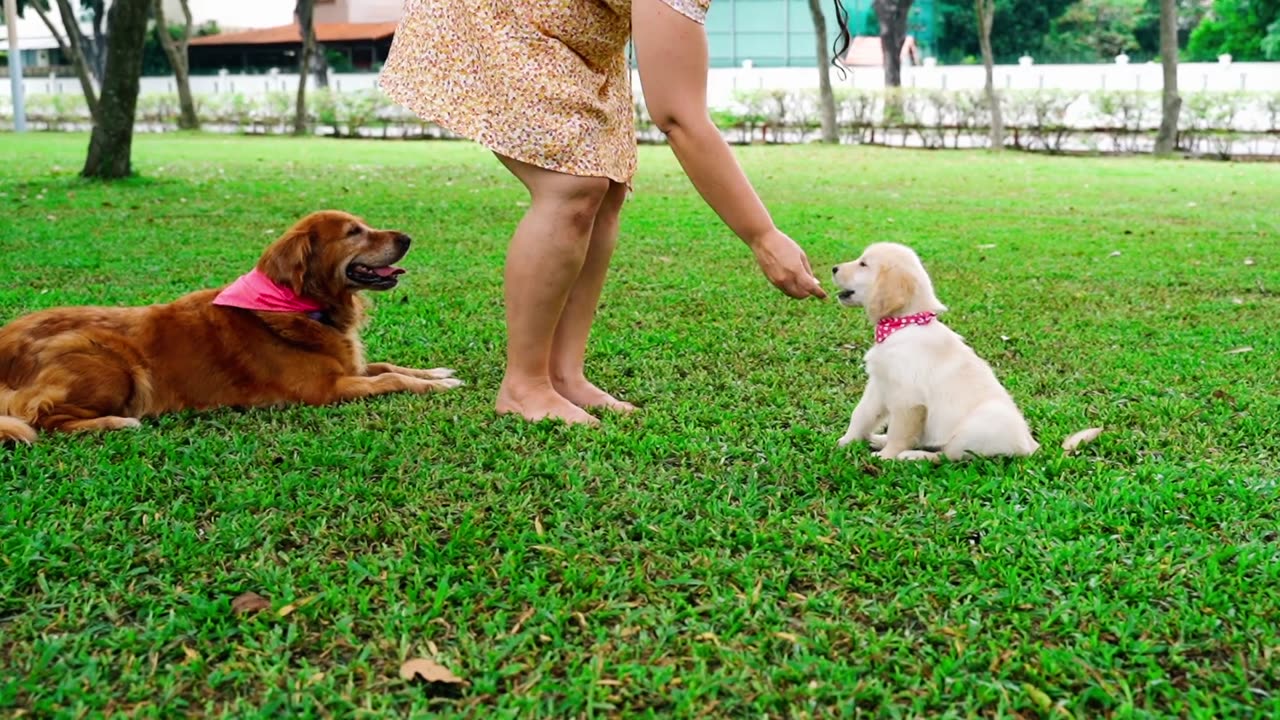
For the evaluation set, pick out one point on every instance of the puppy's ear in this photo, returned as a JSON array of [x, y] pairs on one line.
[[285, 261], [892, 291]]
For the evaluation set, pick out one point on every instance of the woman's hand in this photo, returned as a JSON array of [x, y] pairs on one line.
[[786, 266]]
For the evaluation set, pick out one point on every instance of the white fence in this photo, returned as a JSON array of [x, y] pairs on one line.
[[722, 83]]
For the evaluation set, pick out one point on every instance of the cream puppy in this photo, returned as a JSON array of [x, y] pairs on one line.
[[935, 393]]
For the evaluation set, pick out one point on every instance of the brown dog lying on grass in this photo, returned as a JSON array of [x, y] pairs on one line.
[[286, 333]]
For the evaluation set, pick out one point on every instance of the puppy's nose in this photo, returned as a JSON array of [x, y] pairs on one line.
[[402, 241]]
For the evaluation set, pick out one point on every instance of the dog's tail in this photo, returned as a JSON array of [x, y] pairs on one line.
[[13, 429]]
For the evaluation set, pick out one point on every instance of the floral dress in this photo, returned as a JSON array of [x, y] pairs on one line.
[[545, 82]]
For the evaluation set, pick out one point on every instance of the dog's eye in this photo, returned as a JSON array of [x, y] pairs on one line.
[[862, 263], [353, 231]]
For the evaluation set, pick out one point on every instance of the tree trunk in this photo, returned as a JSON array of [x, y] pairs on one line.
[[986, 11], [319, 64], [1167, 139], [70, 46], [826, 97], [177, 54], [892, 15], [111, 145], [306, 23], [97, 50]]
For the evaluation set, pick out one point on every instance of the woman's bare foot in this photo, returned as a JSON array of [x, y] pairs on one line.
[[541, 402], [584, 394]]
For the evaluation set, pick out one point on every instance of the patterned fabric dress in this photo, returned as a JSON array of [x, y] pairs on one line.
[[542, 81]]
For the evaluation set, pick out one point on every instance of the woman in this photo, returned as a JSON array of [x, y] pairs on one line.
[[544, 84]]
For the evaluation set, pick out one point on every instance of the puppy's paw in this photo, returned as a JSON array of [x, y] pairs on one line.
[[918, 455], [891, 454], [448, 383], [432, 374], [845, 440], [877, 440]]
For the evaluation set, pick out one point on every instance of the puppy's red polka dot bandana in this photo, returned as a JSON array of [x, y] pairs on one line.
[[890, 325]]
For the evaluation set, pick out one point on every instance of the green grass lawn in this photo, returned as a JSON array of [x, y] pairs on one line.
[[715, 554]]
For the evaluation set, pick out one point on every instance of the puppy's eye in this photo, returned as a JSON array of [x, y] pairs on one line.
[[353, 231]]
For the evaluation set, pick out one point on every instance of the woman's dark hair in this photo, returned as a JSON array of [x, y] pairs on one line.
[[841, 44]]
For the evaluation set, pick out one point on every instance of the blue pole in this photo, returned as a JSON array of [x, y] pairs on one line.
[[15, 66]]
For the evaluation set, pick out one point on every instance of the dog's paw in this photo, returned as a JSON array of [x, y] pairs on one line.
[[845, 440], [437, 373], [898, 454], [918, 455], [448, 383], [877, 440]]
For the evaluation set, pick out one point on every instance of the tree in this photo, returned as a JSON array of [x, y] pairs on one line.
[[826, 97], [1094, 30], [892, 15], [176, 50], [986, 12], [304, 13], [1020, 27], [1239, 28], [74, 45], [111, 144], [1171, 104]]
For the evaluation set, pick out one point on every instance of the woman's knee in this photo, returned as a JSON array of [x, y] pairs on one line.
[[574, 200]]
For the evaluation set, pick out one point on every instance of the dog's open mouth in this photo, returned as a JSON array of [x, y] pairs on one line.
[[377, 277], [844, 295]]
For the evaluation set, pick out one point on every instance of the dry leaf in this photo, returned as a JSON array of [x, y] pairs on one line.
[[1080, 438], [610, 683], [987, 246], [789, 637], [520, 621], [190, 653], [250, 602], [289, 609], [537, 526], [1249, 261], [1239, 351], [1115, 254], [547, 549], [428, 671], [435, 651]]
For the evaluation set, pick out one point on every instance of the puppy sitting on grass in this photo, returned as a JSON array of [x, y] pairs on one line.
[[936, 394]]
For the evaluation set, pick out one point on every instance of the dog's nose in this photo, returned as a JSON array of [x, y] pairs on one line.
[[402, 241], [835, 269]]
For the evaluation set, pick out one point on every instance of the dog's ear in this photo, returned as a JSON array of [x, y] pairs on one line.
[[286, 260], [892, 291]]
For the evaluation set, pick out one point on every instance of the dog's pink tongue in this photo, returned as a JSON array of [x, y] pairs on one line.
[[388, 271]]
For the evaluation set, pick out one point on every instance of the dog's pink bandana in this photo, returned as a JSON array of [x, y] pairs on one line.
[[890, 325], [255, 291]]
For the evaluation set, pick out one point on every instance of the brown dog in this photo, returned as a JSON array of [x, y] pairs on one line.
[[103, 368]]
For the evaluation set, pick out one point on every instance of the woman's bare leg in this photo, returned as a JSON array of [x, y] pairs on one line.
[[569, 349], [544, 261]]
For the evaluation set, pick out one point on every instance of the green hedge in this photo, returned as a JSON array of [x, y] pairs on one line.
[[1112, 121]]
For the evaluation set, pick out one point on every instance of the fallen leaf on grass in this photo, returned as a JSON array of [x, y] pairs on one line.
[[1249, 261], [1080, 438], [429, 671], [292, 607], [1115, 254], [250, 602], [789, 637], [986, 246], [1239, 351], [1038, 696]]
